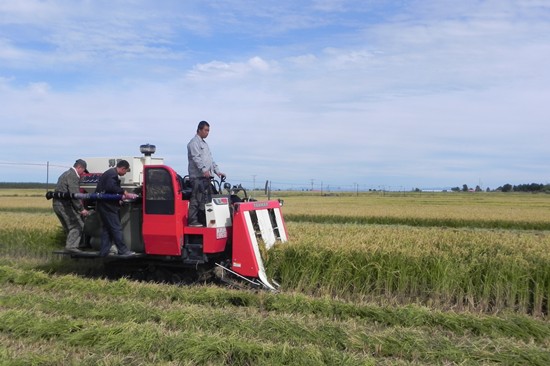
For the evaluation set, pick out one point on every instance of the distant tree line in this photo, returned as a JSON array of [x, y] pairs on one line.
[[532, 187]]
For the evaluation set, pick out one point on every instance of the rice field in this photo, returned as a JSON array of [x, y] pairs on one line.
[[385, 279], [471, 210]]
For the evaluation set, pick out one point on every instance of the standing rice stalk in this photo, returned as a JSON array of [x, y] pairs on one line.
[[466, 269]]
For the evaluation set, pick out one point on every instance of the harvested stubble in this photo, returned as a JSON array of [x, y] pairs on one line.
[[156, 324]]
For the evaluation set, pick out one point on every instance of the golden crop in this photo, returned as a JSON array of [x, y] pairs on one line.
[[488, 268], [459, 206]]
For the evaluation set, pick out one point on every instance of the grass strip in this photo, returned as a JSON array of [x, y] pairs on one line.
[[151, 340], [30, 241], [16, 351], [33, 210], [418, 221], [510, 325], [230, 344], [248, 323]]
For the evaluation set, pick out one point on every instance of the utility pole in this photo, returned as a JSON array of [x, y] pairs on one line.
[[312, 185], [253, 182]]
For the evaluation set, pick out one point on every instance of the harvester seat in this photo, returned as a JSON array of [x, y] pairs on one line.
[[186, 187]]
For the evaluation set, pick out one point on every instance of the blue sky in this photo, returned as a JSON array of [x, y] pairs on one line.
[[394, 94]]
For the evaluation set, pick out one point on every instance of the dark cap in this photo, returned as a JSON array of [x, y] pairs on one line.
[[82, 163]]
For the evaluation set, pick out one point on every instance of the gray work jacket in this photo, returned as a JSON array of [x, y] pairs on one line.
[[200, 158]]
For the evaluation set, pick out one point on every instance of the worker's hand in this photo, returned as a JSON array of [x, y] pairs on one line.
[[207, 174], [221, 175], [130, 196], [84, 213]]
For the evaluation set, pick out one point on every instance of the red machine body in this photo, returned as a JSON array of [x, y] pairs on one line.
[[235, 235]]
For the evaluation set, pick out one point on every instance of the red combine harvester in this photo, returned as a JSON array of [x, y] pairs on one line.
[[232, 245]]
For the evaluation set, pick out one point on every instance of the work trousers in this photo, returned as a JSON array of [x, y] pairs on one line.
[[71, 221], [112, 230], [200, 195]]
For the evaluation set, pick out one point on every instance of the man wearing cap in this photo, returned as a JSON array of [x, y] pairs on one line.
[[69, 212], [109, 211]]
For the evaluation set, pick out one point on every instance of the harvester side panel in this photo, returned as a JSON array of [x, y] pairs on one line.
[[214, 239], [245, 245], [164, 211], [249, 216]]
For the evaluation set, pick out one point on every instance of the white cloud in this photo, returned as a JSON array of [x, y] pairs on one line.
[[419, 96], [28, 11], [9, 52], [39, 88], [233, 70]]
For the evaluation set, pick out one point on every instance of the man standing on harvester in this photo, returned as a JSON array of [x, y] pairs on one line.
[[201, 169]]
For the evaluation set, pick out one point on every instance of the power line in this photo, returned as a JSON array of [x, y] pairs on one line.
[[33, 164]]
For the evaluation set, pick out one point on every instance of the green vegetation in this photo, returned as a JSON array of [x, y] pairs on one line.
[[366, 280], [421, 221], [149, 323]]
